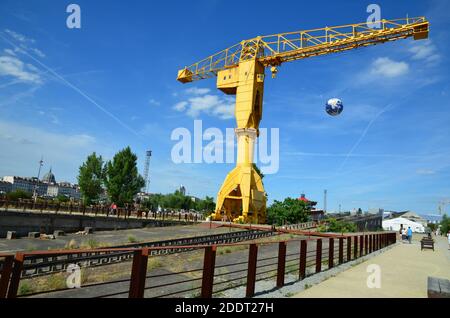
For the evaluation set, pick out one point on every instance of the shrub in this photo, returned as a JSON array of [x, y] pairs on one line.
[[336, 226], [132, 239], [18, 194], [25, 288]]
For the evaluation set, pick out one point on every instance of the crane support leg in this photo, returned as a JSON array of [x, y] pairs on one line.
[[242, 197]]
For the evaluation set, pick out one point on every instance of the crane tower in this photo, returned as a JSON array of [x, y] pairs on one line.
[[240, 71], [148, 154]]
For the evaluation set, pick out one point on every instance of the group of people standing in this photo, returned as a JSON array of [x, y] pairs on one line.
[[406, 233]]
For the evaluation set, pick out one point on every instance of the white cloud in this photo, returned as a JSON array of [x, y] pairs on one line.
[[12, 66], [25, 145], [38, 52], [197, 91], [154, 102], [9, 51], [425, 171], [19, 37], [181, 106], [386, 67], [212, 105], [425, 51], [25, 44]]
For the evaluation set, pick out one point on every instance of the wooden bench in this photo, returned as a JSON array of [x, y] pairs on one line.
[[438, 288], [426, 243]]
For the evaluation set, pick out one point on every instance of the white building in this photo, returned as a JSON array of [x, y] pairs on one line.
[[5, 187], [47, 187], [397, 223], [26, 184]]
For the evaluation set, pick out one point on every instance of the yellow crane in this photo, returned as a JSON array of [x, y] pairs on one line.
[[240, 71]]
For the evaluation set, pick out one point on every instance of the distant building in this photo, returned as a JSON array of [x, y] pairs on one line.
[[410, 215], [182, 190], [376, 211], [26, 184], [47, 187], [315, 215], [64, 188], [5, 187], [49, 177]]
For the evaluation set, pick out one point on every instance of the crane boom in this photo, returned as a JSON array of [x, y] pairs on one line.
[[273, 50]]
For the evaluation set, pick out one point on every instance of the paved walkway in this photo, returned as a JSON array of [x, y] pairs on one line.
[[404, 272]]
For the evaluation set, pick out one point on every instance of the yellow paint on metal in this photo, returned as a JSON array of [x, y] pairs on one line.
[[240, 71]]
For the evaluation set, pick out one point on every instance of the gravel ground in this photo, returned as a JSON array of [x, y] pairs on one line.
[[111, 238]]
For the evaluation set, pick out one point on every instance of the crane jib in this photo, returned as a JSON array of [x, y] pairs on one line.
[[275, 49]]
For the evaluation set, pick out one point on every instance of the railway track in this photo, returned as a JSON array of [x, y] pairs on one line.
[[38, 265]]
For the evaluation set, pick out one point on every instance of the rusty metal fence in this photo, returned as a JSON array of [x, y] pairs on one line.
[[38, 265], [95, 210], [218, 272]]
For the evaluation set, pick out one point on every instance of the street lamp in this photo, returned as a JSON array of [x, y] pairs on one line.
[[41, 162]]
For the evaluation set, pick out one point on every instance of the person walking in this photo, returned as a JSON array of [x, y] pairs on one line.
[[448, 238], [409, 233]]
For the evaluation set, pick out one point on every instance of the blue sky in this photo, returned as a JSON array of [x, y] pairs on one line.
[[60, 96]]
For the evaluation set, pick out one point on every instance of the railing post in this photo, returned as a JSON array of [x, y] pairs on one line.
[[302, 264], [209, 263], [370, 243], [318, 255], [355, 247], [366, 245], [16, 273], [281, 264], [251, 270], [341, 250], [138, 273], [361, 247], [330, 252], [349, 249], [6, 274]]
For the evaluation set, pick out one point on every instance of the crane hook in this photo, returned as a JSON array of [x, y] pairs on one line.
[[274, 71]]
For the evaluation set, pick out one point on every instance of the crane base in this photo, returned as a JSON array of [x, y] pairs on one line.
[[242, 198]]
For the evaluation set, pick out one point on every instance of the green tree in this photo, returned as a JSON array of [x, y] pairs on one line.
[[153, 201], [122, 180], [91, 177], [18, 194], [62, 198], [290, 210], [445, 224]]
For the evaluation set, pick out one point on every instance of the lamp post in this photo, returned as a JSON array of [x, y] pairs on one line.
[[41, 162]]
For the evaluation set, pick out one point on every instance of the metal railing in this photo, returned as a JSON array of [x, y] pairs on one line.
[[94, 210], [39, 265], [300, 257]]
